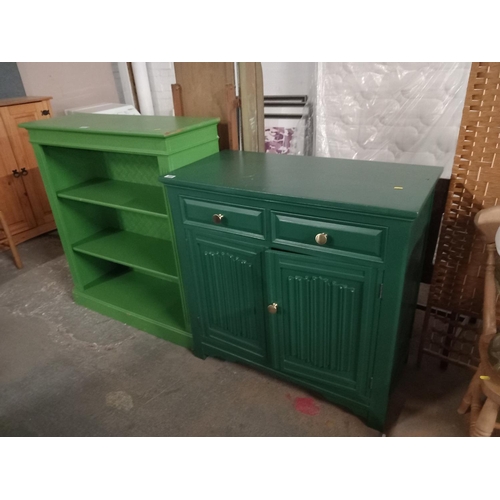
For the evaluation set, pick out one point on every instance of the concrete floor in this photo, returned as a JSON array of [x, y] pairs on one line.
[[67, 371]]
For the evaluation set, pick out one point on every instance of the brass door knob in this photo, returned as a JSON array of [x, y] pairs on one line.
[[272, 308], [217, 218], [321, 238]]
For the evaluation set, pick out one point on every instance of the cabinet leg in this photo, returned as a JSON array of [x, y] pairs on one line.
[[377, 423], [487, 419], [198, 352], [10, 241]]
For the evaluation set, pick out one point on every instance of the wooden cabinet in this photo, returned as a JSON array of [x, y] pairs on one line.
[[23, 199], [307, 268], [101, 173]]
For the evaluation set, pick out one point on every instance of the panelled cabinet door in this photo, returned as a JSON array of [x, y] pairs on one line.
[[25, 156], [14, 201], [230, 300], [325, 325]]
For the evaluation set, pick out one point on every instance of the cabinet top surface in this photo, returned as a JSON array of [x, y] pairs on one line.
[[22, 100], [364, 186], [145, 126]]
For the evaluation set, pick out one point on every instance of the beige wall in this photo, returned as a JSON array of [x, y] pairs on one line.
[[70, 84]]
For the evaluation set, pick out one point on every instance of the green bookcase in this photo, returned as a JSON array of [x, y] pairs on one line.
[[101, 175]]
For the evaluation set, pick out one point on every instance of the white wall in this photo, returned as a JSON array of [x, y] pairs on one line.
[[70, 84], [287, 78], [161, 77], [119, 84]]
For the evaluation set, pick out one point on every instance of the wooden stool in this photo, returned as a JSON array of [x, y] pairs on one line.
[[9, 241], [486, 380], [487, 419], [483, 417]]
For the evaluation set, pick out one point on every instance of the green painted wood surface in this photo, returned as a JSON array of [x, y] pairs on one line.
[[152, 255], [101, 176], [155, 299], [237, 219], [127, 125], [231, 297], [345, 309], [324, 325], [147, 135], [118, 194], [342, 237], [347, 184], [145, 302]]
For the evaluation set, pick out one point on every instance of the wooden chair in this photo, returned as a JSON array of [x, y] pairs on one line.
[[7, 240], [486, 381]]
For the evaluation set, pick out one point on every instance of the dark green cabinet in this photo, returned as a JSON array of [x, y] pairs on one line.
[[306, 268]]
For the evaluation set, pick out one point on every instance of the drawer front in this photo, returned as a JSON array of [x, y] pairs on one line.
[[248, 221], [328, 235]]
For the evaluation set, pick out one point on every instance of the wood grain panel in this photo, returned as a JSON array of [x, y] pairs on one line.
[[456, 291], [204, 92], [14, 201], [25, 157]]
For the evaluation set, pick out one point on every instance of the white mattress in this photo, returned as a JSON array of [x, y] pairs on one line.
[[398, 112]]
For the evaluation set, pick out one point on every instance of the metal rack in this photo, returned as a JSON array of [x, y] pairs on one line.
[[298, 102]]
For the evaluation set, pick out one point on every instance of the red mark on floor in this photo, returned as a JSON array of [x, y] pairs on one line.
[[306, 405]]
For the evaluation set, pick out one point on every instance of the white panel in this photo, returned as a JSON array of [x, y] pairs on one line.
[[289, 78]]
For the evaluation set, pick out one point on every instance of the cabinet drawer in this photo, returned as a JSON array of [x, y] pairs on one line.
[[225, 217], [328, 235]]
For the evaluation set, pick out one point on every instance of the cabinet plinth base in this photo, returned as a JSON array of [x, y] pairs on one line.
[[370, 418], [34, 232]]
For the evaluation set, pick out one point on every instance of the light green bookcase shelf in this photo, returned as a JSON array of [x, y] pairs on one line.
[[101, 175]]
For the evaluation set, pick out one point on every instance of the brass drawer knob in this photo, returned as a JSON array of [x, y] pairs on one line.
[[217, 218], [272, 308], [321, 238]]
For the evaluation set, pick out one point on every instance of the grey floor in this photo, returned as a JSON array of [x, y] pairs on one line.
[[67, 371]]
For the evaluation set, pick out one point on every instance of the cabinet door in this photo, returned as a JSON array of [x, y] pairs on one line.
[[325, 327], [229, 283], [12, 116], [14, 201]]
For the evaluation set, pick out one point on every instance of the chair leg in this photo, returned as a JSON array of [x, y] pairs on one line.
[[486, 420], [469, 395], [10, 241], [476, 405], [472, 400]]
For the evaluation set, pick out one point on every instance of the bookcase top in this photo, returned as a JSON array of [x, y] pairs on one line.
[[130, 125]]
